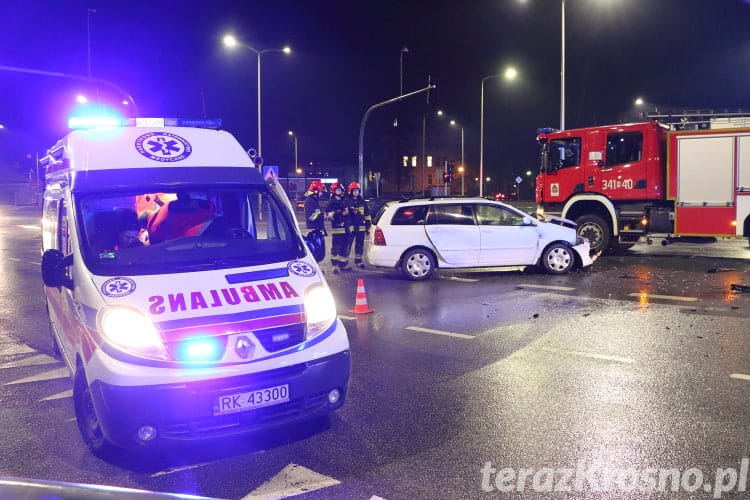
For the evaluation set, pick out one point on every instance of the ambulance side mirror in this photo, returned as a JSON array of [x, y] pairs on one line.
[[315, 241], [54, 266]]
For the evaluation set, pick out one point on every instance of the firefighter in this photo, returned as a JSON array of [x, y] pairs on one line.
[[315, 221], [338, 214], [314, 216], [360, 221]]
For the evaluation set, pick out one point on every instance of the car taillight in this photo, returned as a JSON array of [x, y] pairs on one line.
[[379, 237]]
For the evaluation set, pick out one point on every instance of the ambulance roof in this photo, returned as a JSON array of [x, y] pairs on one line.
[[157, 153], [167, 147]]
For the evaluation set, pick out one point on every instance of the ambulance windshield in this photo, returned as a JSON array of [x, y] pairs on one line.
[[163, 231]]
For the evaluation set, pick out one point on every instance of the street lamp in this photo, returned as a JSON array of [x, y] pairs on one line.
[[461, 168], [231, 42], [401, 70], [510, 73]]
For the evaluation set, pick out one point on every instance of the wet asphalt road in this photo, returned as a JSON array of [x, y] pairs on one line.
[[641, 362]]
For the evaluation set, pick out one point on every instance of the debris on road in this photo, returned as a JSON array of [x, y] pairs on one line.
[[721, 269], [740, 288]]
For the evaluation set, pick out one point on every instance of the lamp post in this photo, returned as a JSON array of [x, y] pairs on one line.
[[562, 65], [510, 73], [401, 70], [294, 136], [462, 167], [231, 42]]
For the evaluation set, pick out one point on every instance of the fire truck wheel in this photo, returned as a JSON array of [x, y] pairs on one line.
[[596, 230], [558, 258], [88, 422]]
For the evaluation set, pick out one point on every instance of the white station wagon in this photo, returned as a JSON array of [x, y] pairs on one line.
[[418, 236]]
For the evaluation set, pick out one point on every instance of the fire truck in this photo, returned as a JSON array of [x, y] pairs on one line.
[[623, 182]]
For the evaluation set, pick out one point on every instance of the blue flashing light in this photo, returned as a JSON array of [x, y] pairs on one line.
[[214, 123], [200, 350], [546, 130], [86, 122], [89, 122]]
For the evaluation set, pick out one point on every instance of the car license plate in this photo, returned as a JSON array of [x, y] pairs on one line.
[[245, 401]]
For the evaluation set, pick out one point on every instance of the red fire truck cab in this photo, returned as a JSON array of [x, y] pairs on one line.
[[621, 182]]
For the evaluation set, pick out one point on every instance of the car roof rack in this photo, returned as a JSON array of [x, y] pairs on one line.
[[433, 198]]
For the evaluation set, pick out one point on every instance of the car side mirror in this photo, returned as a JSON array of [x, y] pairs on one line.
[[316, 242], [528, 221], [54, 269]]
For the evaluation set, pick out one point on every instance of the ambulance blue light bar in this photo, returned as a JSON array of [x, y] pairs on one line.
[[86, 122], [89, 122]]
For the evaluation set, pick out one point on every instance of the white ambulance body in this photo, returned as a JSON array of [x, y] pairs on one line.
[[224, 329]]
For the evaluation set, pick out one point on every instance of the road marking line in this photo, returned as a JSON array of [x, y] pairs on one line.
[[740, 376], [549, 287], [588, 355], [59, 395], [179, 469], [50, 375], [23, 261], [13, 348], [347, 317], [456, 278], [40, 359], [665, 297], [292, 480], [439, 332]]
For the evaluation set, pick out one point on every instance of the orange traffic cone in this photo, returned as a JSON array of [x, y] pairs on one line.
[[360, 305]]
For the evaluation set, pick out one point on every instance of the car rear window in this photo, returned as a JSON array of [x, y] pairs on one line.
[[409, 216]]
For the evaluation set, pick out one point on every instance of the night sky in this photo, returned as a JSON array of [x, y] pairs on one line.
[[676, 54]]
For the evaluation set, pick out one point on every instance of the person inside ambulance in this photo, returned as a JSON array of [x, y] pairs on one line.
[[188, 215], [128, 234], [113, 230]]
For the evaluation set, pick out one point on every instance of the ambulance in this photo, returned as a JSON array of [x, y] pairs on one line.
[[181, 293]]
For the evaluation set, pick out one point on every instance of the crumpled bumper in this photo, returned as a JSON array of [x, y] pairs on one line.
[[584, 252]]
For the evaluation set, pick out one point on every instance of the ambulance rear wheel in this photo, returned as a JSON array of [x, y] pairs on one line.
[[88, 422], [596, 230]]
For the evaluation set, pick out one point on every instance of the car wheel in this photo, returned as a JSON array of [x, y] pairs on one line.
[[87, 420], [558, 258], [418, 264], [596, 230]]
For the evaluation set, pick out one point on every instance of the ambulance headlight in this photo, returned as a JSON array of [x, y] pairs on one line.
[[130, 331], [320, 310]]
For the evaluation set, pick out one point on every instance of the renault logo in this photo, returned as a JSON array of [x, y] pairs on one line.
[[244, 347]]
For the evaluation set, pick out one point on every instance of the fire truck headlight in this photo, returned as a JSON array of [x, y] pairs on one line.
[[320, 310], [130, 331]]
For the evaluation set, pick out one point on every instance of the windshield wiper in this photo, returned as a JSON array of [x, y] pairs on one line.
[[195, 245]]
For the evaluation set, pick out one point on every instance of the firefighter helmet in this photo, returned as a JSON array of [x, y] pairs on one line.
[[353, 186], [335, 186], [316, 187]]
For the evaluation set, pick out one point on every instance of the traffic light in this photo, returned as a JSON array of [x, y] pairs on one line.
[[447, 178], [449, 169]]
